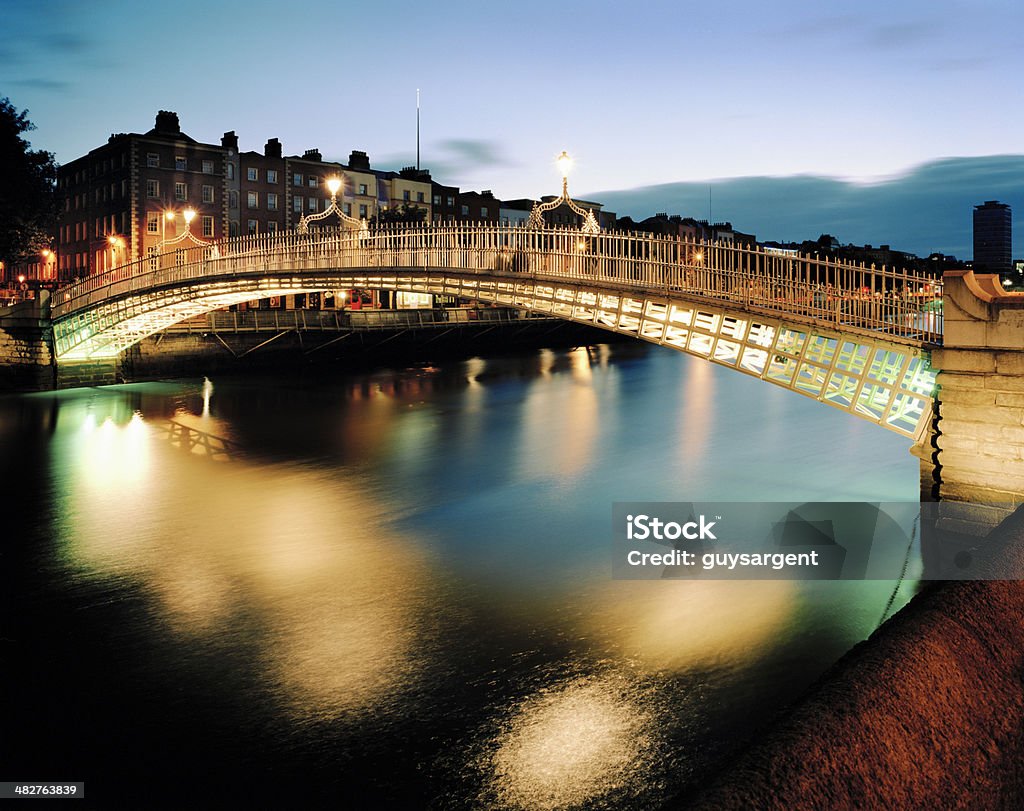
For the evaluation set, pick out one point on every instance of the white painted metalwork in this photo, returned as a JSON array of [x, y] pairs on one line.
[[850, 336]]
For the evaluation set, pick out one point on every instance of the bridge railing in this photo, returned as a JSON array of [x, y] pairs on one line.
[[824, 290]]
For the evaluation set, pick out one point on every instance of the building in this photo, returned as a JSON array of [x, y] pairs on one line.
[[481, 207], [120, 201], [515, 212], [993, 242], [445, 202]]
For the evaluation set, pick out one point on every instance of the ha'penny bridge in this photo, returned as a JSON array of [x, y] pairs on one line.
[[938, 361]]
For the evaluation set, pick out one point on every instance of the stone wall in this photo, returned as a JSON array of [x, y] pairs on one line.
[[26, 346], [981, 400]]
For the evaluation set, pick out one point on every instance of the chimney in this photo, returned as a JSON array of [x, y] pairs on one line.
[[359, 160], [272, 148], [312, 155], [167, 123], [229, 140]]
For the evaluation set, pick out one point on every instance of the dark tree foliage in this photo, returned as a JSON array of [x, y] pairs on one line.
[[28, 199], [403, 213]]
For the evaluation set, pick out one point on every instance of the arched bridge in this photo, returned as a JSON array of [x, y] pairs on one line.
[[854, 337]]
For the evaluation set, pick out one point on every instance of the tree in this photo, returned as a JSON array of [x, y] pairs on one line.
[[28, 198], [404, 213]]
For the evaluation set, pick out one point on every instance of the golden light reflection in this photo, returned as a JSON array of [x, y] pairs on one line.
[[563, 447], [676, 625], [569, 746]]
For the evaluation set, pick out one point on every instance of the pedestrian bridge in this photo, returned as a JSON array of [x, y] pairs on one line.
[[854, 337]]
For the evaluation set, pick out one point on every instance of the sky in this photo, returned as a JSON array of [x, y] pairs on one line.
[[641, 94]]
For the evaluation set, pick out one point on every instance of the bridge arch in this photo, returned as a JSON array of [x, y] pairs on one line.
[[801, 323]]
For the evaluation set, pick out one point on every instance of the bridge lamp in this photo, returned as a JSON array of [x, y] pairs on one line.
[[333, 184], [536, 220], [189, 214]]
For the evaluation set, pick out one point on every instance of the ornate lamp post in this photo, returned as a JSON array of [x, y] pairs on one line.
[[334, 184], [188, 214], [536, 220]]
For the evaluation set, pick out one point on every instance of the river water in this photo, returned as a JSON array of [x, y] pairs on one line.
[[392, 589]]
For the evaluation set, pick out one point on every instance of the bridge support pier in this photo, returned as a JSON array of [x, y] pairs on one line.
[[980, 404]]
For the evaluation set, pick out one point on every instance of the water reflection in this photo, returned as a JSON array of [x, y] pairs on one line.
[[583, 743]]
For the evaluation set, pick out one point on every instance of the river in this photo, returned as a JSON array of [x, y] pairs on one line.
[[392, 589]]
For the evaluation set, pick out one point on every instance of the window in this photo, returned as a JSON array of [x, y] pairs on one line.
[[180, 191], [271, 175], [207, 194], [153, 222], [297, 205], [272, 227], [362, 211], [313, 181], [254, 227], [124, 188], [252, 173], [483, 212], [253, 199], [312, 204], [152, 188], [419, 197], [465, 211], [153, 160], [437, 199], [232, 199], [451, 202], [231, 171], [233, 226], [271, 201], [347, 208], [362, 188], [405, 195], [207, 167], [180, 164], [207, 226], [297, 180]]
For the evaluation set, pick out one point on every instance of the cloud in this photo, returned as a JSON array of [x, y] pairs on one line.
[[929, 208], [452, 159], [58, 85]]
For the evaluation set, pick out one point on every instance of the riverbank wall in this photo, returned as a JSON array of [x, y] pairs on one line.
[[927, 713], [26, 346]]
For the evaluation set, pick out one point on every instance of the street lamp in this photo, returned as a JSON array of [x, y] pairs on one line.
[[188, 215], [536, 220], [115, 242], [334, 185]]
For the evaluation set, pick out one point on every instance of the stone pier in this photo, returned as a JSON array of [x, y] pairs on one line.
[[26, 346], [980, 405]]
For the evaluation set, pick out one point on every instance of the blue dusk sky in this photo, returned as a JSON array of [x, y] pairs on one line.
[[858, 97]]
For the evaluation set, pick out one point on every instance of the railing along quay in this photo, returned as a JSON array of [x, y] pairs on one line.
[[823, 290]]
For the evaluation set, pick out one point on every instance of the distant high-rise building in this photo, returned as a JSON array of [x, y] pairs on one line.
[[993, 246]]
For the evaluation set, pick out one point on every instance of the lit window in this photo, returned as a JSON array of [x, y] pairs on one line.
[[253, 199], [153, 160], [207, 167], [362, 188], [297, 180], [207, 226], [153, 222], [180, 164], [297, 205], [207, 194], [252, 173], [313, 181], [271, 201], [152, 188], [271, 175], [180, 191]]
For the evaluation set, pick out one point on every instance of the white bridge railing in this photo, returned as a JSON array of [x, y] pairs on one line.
[[900, 304]]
